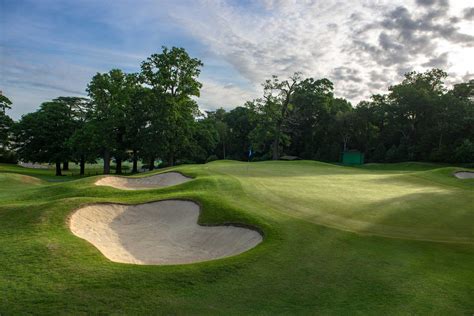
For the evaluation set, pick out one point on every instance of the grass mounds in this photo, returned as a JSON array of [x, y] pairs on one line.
[[338, 240]]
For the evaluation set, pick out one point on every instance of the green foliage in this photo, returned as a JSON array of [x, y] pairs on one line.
[[172, 76], [153, 116], [6, 124], [392, 154], [465, 151], [273, 111], [43, 136], [5, 103], [212, 158]]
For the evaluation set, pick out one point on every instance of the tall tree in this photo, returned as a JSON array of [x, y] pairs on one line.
[[6, 124], [172, 75], [310, 117], [78, 108], [111, 94], [139, 116], [274, 109], [241, 121], [43, 136]]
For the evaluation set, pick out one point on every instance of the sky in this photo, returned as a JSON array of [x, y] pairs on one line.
[[53, 48]]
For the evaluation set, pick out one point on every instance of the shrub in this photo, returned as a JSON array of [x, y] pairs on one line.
[[465, 151], [8, 156], [212, 158], [392, 154]]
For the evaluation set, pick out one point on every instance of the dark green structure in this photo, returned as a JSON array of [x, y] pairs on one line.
[[352, 157]]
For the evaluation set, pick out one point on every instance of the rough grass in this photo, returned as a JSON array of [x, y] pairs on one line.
[[304, 265]]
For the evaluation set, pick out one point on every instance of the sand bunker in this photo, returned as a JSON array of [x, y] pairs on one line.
[[164, 232], [155, 181], [464, 175]]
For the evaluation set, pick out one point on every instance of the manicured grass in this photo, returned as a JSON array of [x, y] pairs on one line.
[[338, 240]]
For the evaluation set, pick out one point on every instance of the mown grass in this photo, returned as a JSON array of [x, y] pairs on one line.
[[371, 264]]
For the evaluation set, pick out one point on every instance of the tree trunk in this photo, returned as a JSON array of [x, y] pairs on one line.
[[58, 168], [118, 166], [106, 162], [82, 165], [223, 149], [151, 166], [135, 162], [66, 165]]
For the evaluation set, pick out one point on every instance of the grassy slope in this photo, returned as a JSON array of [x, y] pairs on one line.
[[301, 267]]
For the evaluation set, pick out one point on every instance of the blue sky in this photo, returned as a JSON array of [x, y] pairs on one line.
[[52, 48]]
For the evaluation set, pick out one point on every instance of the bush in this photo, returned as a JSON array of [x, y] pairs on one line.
[[212, 158], [392, 154], [8, 156], [379, 153], [465, 152]]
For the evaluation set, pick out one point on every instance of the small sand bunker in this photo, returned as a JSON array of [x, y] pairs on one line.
[[164, 232], [155, 181], [464, 175]]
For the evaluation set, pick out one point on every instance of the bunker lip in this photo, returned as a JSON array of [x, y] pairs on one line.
[[159, 180], [164, 232], [464, 174]]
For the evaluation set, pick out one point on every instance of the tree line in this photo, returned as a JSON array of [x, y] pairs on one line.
[[152, 115]]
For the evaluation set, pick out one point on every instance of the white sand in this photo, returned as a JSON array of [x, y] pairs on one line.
[[154, 181], [164, 232], [464, 175]]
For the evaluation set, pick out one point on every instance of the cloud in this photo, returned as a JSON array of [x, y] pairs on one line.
[[440, 61], [363, 46], [216, 95], [469, 13], [346, 42]]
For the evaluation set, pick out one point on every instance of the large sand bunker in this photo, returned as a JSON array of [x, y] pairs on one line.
[[154, 181], [464, 175], [164, 232]]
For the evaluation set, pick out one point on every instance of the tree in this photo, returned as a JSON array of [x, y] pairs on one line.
[[345, 125], [310, 119], [111, 94], [42, 136], [139, 117], [465, 151], [241, 121], [83, 144], [78, 109], [205, 140], [413, 104], [6, 124], [273, 110], [5, 103], [172, 76]]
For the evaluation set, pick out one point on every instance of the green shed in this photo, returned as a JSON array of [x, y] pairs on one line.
[[352, 157]]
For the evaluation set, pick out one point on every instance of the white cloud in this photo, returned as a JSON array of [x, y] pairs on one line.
[[216, 94], [240, 43], [319, 37]]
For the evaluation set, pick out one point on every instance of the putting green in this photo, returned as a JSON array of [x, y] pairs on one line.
[[416, 205], [380, 239]]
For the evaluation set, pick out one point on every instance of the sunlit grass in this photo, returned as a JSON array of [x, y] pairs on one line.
[[318, 255]]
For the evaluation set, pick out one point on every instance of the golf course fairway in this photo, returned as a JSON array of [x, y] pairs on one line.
[[377, 239]]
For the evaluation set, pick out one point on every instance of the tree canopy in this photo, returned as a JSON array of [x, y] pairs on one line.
[[153, 116]]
